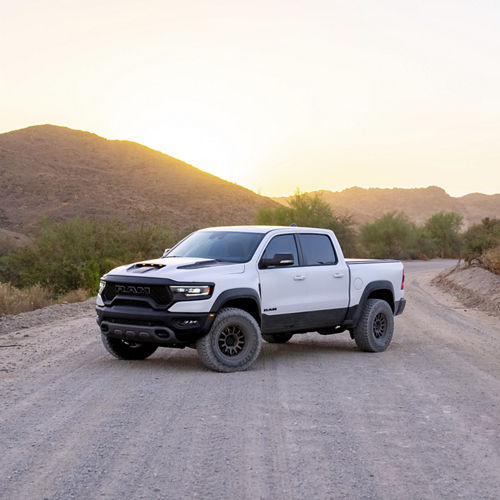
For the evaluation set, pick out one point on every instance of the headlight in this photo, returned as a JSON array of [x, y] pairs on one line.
[[191, 291], [102, 284]]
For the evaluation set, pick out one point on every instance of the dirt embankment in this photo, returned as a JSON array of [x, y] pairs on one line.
[[473, 286]]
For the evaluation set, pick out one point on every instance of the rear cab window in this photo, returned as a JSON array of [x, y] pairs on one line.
[[317, 250]]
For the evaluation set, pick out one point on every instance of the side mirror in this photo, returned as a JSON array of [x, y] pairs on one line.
[[279, 260], [165, 253]]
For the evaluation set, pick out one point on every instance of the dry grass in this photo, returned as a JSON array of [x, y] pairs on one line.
[[492, 260], [78, 295], [15, 301]]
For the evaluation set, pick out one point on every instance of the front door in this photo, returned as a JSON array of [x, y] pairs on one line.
[[283, 289]]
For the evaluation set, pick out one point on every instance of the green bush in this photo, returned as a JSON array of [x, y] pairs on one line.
[[442, 234], [390, 236], [311, 211], [480, 238], [74, 254]]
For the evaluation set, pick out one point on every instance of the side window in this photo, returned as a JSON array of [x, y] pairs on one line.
[[284, 243], [317, 250]]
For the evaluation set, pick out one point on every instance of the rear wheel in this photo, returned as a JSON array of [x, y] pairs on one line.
[[277, 338], [123, 349], [233, 343], [376, 326]]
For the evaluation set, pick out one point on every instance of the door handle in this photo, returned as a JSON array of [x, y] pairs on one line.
[[338, 275], [299, 278]]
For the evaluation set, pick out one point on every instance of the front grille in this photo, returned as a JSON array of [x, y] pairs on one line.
[[159, 293], [131, 302]]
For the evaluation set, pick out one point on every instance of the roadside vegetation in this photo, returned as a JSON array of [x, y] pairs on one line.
[[311, 211], [66, 260], [393, 235], [15, 301], [482, 245]]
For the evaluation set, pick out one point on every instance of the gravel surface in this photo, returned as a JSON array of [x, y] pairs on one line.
[[13, 322], [314, 418]]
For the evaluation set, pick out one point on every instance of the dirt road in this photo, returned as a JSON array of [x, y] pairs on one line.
[[315, 418]]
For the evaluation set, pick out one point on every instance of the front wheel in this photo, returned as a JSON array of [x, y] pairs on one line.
[[123, 349], [277, 338], [376, 326], [233, 343]]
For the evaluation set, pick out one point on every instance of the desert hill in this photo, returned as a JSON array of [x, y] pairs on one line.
[[56, 172], [366, 205]]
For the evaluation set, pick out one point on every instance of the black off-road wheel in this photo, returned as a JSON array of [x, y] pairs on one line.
[[376, 326], [233, 343], [123, 349], [277, 338]]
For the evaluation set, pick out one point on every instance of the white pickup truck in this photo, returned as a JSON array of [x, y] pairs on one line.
[[222, 290]]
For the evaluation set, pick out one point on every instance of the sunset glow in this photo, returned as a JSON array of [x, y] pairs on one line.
[[274, 94]]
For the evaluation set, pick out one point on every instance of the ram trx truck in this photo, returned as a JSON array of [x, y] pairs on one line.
[[222, 290]]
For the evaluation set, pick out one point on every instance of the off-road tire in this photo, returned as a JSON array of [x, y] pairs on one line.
[[232, 344], [123, 349], [376, 326], [277, 338]]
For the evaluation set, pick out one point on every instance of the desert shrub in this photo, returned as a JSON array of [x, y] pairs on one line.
[[425, 246], [311, 211], [74, 254], [492, 260], [441, 234], [6, 245], [480, 238], [391, 236], [279, 216], [15, 301], [78, 295]]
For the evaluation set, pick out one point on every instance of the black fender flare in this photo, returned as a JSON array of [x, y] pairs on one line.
[[233, 294], [354, 313]]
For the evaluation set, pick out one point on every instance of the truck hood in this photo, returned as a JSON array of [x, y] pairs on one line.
[[177, 269]]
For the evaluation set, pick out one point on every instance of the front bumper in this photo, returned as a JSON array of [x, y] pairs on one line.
[[141, 324]]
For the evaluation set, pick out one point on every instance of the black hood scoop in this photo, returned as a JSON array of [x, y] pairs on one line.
[[142, 268]]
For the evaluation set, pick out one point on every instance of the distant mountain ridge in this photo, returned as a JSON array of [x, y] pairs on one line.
[[366, 205], [57, 172]]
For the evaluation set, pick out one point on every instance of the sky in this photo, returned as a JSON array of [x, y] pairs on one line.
[[273, 95]]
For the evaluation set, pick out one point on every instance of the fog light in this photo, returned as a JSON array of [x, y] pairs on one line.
[[187, 322]]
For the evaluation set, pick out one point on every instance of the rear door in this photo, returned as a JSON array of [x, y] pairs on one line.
[[327, 279]]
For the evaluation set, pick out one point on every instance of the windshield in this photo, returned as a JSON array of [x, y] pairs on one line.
[[226, 246]]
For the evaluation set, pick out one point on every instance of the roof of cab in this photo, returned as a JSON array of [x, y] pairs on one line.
[[260, 229]]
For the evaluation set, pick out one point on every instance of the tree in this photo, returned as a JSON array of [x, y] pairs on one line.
[[391, 236], [311, 211], [443, 231]]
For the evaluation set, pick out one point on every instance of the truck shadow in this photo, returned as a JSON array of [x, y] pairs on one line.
[[311, 347], [187, 360]]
